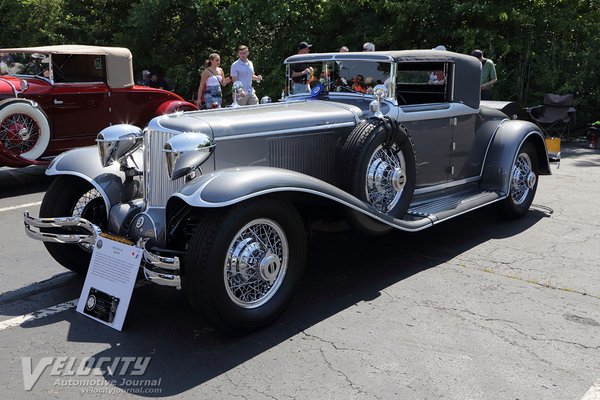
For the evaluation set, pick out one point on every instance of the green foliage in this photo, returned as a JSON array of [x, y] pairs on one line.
[[538, 46]]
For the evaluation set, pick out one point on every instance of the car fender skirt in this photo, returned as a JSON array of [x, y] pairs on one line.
[[110, 181], [503, 150], [234, 185]]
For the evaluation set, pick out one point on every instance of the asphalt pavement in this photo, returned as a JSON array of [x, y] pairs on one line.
[[474, 308]]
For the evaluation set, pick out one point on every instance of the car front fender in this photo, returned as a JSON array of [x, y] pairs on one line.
[[109, 181], [234, 185], [172, 106], [503, 150]]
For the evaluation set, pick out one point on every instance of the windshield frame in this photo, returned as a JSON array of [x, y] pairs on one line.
[[22, 75], [325, 69]]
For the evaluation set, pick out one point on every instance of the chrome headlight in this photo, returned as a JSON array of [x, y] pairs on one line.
[[265, 100], [186, 152], [118, 142]]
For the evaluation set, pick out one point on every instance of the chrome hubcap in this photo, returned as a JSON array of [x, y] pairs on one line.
[[386, 177], [256, 263], [523, 179]]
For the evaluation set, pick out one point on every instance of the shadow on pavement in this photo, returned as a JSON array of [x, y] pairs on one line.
[[21, 181], [342, 270]]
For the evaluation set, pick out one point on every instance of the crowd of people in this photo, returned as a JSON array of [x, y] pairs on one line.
[[213, 79]]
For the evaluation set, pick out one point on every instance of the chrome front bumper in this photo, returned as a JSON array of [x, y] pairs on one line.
[[158, 269]]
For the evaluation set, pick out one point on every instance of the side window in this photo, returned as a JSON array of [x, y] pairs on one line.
[[78, 68], [423, 83]]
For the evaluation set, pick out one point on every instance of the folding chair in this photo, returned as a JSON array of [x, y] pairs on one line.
[[555, 116]]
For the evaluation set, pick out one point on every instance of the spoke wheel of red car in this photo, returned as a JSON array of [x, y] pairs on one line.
[[70, 196], [523, 183], [377, 165], [24, 130], [243, 264]]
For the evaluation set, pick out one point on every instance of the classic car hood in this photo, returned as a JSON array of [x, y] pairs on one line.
[[261, 118]]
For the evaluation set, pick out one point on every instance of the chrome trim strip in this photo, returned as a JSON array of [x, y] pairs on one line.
[[285, 131], [295, 189], [437, 221], [447, 185]]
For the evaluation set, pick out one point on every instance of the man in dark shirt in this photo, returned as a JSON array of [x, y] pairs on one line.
[[300, 72]]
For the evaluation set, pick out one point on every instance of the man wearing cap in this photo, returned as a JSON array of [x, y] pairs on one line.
[[301, 72], [488, 75]]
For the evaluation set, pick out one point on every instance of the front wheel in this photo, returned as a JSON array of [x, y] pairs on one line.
[[243, 264], [523, 183], [69, 196], [24, 130]]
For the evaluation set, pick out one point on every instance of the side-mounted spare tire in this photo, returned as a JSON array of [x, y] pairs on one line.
[[24, 130], [377, 165]]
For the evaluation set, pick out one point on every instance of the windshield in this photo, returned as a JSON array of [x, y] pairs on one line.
[[337, 76], [34, 64]]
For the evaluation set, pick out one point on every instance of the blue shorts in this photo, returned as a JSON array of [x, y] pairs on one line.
[[213, 94]]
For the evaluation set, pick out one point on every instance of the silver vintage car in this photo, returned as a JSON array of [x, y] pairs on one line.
[[221, 200]]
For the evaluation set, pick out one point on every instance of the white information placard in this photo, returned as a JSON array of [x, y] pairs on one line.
[[109, 282]]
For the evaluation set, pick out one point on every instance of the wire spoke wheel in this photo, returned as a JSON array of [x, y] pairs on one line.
[[386, 177], [256, 263], [19, 133], [523, 179], [91, 207]]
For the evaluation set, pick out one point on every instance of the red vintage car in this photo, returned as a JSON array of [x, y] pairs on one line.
[[55, 98]]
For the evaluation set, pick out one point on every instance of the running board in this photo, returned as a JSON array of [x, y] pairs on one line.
[[454, 205]]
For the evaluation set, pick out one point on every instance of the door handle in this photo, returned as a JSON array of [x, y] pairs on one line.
[[56, 101]]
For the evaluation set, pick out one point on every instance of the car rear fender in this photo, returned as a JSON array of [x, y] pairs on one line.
[[172, 106], [109, 181], [234, 185], [503, 150]]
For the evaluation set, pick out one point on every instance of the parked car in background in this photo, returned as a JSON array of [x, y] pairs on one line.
[[55, 98], [222, 200]]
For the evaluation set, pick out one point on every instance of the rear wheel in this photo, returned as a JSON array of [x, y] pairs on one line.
[[523, 183], [243, 264], [24, 130], [69, 196]]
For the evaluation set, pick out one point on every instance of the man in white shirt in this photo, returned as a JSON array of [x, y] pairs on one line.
[[243, 70]]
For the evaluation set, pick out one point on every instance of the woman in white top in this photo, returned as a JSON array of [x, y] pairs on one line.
[[211, 80]]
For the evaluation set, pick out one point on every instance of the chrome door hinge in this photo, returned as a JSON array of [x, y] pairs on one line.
[[454, 121]]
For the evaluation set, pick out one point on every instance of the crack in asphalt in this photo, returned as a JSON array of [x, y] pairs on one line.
[[555, 340], [530, 281]]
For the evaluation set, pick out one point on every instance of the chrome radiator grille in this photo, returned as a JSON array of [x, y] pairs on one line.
[[158, 187]]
